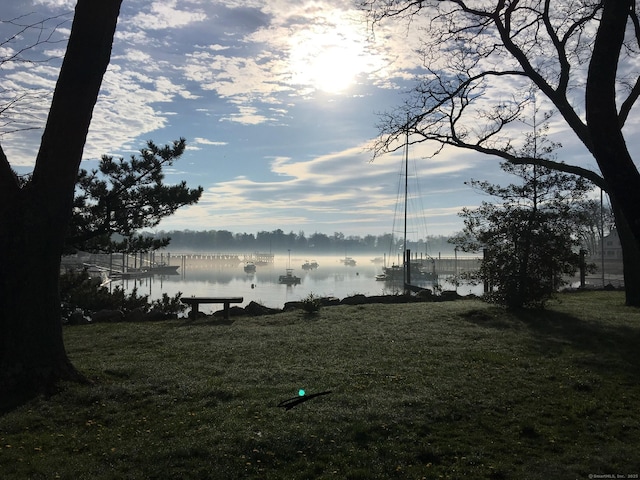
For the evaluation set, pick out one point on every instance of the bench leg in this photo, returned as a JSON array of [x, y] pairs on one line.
[[227, 314], [194, 311]]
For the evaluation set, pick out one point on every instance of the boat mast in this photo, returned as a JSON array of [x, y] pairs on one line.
[[406, 274], [406, 189]]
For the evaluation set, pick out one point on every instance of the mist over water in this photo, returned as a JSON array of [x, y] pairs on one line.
[[332, 278]]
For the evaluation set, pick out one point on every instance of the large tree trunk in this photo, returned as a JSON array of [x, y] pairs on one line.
[[630, 259], [33, 357], [609, 147], [34, 219]]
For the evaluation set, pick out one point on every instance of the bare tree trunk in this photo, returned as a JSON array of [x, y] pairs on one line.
[[34, 219]]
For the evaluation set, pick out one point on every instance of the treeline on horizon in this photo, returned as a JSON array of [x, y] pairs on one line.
[[277, 241]]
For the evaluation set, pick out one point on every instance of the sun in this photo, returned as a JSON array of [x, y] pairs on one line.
[[326, 59]]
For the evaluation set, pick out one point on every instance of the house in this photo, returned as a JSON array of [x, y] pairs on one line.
[[612, 246]]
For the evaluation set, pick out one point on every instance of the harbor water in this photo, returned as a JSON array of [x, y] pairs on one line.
[[333, 277]]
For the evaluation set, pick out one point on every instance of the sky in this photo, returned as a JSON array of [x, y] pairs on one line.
[[278, 101]]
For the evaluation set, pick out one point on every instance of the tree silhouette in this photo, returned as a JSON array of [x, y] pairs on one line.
[[124, 196], [483, 58], [35, 217]]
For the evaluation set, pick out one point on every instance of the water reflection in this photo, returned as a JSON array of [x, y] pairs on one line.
[[331, 278]]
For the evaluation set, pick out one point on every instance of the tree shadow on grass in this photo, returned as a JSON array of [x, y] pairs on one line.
[[613, 346]]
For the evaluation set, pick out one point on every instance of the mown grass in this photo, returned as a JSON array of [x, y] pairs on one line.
[[430, 390]]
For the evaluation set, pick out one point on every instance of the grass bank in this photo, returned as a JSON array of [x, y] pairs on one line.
[[430, 390]]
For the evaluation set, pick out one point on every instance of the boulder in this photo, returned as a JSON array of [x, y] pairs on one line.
[[425, 294], [255, 309], [156, 315], [288, 306], [77, 317], [329, 301], [233, 312], [392, 299], [136, 315], [354, 300], [448, 295]]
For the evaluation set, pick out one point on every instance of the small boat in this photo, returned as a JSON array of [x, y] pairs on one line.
[[289, 278], [249, 267], [381, 277], [349, 262], [162, 269], [310, 265], [130, 274], [394, 272], [419, 271]]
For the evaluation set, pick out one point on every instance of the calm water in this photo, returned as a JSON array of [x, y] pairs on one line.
[[331, 278]]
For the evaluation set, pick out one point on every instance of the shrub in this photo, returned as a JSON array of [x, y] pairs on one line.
[[311, 303], [79, 291], [169, 304]]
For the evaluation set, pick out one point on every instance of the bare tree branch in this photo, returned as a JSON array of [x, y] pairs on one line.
[[44, 32]]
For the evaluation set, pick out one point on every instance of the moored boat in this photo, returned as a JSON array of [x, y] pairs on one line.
[[310, 265], [289, 278]]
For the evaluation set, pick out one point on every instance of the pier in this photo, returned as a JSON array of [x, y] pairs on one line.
[[218, 259]]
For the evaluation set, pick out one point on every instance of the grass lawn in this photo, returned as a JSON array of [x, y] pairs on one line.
[[429, 390]]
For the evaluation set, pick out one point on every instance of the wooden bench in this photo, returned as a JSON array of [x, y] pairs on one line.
[[194, 302]]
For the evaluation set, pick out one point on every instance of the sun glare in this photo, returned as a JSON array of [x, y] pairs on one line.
[[327, 58]]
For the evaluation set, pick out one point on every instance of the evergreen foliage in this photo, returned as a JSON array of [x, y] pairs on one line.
[[124, 196], [530, 237], [78, 291]]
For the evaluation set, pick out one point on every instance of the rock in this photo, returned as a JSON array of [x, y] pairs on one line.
[[329, 301], [233, 312], [255, 309], [136, 315], [354, 300], [155, 315], [448, 295], [292, 306], [77, 317], [425, 294]]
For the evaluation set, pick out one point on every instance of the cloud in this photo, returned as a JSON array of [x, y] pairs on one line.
[[204, 141], [163, 15], [271, 64], [285, 91], [340, 190], [70, 4]]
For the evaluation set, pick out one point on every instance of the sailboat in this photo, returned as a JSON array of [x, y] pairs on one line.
[[289, 278], [411, 269]]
